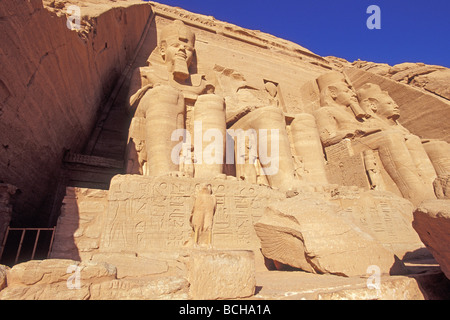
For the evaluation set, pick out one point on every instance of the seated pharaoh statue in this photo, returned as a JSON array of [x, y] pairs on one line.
[[159, 94], [385, 114], [341, 117], [432, 157]]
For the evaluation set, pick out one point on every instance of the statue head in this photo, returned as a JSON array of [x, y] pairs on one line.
[[177, 47], [378, 101], [204, 188], [334, 89]]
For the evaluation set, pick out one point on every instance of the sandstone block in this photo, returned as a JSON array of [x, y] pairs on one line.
[[55, 279], [221, 274], [310, 235], [387, 219], [391, 288], [57, 291], [432, 223], [442, 187], [131, 265], [79, 227], [3, 270], [55, 270], [161, 288]]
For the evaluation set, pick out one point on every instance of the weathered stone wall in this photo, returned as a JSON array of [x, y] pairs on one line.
[[53, 82], [143, 214], [80, 223], [148, 213]]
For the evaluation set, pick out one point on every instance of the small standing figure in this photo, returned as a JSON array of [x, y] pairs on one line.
[[202, 214], [373, 172], [187, 161]]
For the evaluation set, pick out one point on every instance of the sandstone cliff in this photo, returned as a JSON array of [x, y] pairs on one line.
[[101, 103], [53, 83]]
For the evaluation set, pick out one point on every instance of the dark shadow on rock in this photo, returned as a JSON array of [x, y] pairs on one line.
[[398, 268], [270, 265], [258, 289], [418, 254], [433, 285]]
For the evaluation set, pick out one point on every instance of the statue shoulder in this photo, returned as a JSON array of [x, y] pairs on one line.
[[325, 111], [154, 75]]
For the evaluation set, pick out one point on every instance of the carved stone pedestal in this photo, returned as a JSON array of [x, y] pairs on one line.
[[221, 274]]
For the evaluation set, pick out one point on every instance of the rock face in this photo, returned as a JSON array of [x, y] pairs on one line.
[[431, 78], [3, 270], [54, 280], [310, 235], [198, 153], [432, 223], [221, 274], [6, 191], [52, 84]]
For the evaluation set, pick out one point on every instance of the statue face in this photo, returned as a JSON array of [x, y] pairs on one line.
[[386, 107], [380, 102], [343, 94], [178, 52], [139, 145]]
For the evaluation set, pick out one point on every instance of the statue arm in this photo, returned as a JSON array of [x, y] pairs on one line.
[[141, 81], [329, 129]]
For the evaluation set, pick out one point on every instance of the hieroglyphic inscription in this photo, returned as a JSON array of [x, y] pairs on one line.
[[153, 213], [386, 218], [344, 167]]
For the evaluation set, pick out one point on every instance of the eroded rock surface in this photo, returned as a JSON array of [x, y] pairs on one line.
[[432, 223]]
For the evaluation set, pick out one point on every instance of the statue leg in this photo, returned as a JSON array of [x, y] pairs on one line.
[[274, 149], [397, 161], [164, 109], [421, 160], [209, 122], [308, 147], [439, 154]]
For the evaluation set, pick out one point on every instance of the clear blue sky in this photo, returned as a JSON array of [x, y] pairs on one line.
[[411, 30]]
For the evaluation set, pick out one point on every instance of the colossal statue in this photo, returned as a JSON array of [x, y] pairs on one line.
[[308, 149], [337, 121], [385, 113], [160, 93], [163, 91]]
